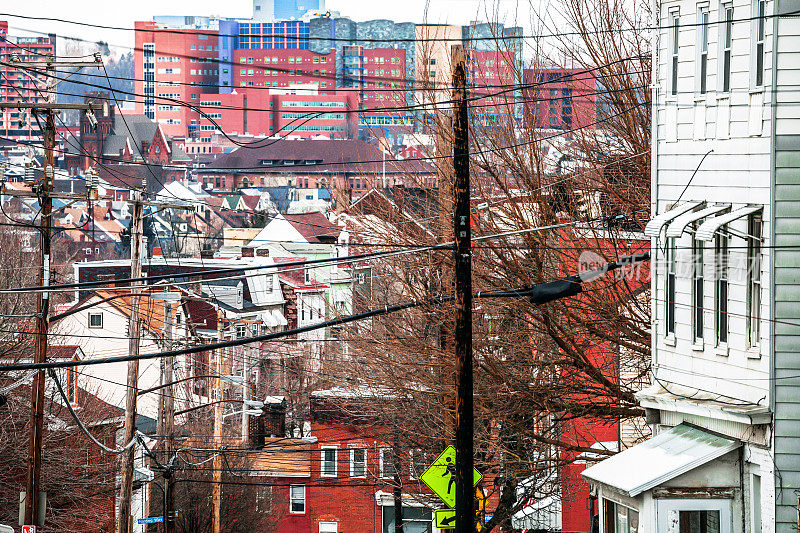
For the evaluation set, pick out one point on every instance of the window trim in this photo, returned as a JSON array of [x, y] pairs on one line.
[[723, 505], [669, 288], [702, 46], [698, 290], [90, 315], [612, 505], [412, 464], [755, 232], [721, 279], [674, 48], [725, 46], [759, 41], [352, 462], [323, 461], [382, 463], [292, 499]]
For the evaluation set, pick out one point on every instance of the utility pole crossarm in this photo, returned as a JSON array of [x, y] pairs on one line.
[[52, 64], [49, 106]]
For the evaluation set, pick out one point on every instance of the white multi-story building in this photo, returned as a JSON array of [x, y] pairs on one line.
[[725, 403]]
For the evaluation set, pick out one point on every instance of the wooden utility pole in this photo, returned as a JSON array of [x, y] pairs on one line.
[[166, 409], [124, 520], [465, 512], [32, 513], [216, 486], [32, 488]]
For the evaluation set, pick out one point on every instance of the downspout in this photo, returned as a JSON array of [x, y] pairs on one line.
[[741, 485], [654, 186]]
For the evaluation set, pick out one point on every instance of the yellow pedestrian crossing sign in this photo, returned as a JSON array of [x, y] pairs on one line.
[[440, 476]]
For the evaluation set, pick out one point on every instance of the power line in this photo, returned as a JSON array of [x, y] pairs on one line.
[[399, 39]]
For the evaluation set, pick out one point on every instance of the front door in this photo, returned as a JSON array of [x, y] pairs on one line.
[[694, 515]]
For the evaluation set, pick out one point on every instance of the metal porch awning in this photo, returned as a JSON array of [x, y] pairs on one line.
[[653, 228], [278, 316], [666, 456], [268, 319], [682, 222], [708, 228]]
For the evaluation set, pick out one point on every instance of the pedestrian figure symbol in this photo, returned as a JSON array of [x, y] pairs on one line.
[[450, 469]]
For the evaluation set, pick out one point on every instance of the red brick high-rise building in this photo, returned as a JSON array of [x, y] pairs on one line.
[[174, 64], [17, 85]]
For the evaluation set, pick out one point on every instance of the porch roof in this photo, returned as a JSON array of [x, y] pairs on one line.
[[657, 460]]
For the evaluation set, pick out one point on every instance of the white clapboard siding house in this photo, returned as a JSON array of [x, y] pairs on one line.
[[725, 401]]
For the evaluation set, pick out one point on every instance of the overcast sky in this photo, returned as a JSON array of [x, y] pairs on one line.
[[123, 14]]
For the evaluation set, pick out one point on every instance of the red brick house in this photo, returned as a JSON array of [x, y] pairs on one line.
[[125, 139], [340, 479]]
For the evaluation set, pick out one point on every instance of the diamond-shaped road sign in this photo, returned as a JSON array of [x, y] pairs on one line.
[[440, 476]]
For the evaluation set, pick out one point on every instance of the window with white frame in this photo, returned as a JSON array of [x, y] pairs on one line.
[[327, 461], [755, 503], [297, 499], [72, 386], [669, 288], [698, 283], [387, 466], [358, 462], [721, 281], [675, 30], [725, 44], [759, 26], [95, 320], [415, 519], [417, 463], [754, 280], [619, 518], [689, 515], [702, 49]]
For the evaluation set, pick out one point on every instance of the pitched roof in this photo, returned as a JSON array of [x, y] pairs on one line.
[[251, 201], [315, 155], [295, 276], [138, 127], [314, 226], [66, 351], [127, 176], [151, 310]]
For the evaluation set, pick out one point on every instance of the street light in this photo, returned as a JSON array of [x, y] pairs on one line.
[[251, 412]]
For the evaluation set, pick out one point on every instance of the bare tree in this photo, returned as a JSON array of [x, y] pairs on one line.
[[547, 379]]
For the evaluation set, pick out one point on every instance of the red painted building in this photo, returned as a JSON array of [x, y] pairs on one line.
[[173, 65], [560, 98], [19, 85], [341, 478], [293, 111], [254, 69], [492, 75]]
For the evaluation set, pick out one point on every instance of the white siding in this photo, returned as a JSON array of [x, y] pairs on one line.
[[736, 172]]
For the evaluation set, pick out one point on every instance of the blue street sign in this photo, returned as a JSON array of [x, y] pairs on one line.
[[152, 519]]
